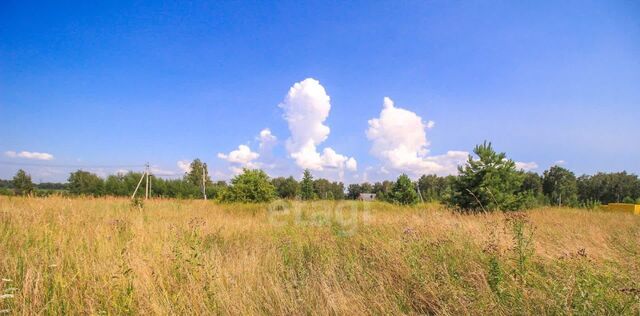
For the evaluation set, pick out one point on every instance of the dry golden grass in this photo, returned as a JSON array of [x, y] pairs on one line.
[[103, 256]]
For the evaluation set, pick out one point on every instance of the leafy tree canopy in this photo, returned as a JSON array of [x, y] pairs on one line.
[[85, 183], [249, 186], [22, 184], [286, 188], [560, 185]]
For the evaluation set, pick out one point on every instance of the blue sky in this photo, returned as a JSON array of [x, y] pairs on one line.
[[109, 85]]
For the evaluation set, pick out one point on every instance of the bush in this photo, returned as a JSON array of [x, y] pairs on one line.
[[250, 186]]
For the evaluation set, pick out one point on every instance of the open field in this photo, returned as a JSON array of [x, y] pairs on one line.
[[96, 256]]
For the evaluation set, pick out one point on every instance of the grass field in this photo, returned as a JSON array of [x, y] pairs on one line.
[[103, 256]]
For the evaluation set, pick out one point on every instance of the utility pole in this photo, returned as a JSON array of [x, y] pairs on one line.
[[419, 193], [138, 186], [146, 193], [204, 182], [560, 199]]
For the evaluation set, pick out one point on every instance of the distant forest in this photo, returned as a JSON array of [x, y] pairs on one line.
[[555, 186]]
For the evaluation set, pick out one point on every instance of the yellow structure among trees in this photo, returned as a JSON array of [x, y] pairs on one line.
[[623, 207]]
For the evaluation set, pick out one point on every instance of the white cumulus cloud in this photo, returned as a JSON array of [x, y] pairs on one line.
[[526, 166], [306, 107], [400, 142], [351, 164], [243, 157], [29, 155], [267, 139]]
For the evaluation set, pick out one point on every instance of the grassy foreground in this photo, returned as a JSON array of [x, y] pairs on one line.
[[103, 256]]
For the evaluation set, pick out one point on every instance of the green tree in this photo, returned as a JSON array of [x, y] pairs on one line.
[[432, 187], [489, 183], [22, 184], [354, 190], [306, 186], [251, 186], [532, 182], [531, 190], [366, 187], [382, 189], [403, 192], [608, 187], [287, 188], [337, 190], [560, 186], [86, 183], [323, 189], [215, 190], [197, 170], [115, 185]]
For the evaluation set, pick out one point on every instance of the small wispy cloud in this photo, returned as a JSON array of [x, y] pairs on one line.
[[184, 165], [162, 172], [526, 166], [29, 155]]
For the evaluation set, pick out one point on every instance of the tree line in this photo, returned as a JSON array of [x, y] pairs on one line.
[[488, 182]]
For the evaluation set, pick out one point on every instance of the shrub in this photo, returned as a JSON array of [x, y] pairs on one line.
[[250, 186]]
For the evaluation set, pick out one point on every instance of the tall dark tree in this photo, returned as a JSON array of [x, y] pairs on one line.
[[560, 186], [22, 184], [489, 183], [306, 186]]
